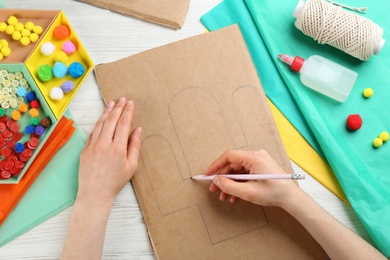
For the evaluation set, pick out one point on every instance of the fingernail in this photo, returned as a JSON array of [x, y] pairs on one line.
[[138, 132], [122, 99], [216, 181], [130, 102], [110, 104]]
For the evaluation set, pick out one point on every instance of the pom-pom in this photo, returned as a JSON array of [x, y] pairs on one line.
[[21, 91], [10, 29], [45, 122], [60, 70], [3, 26], [354, 122], [47, 48], [23, 108], [34, 103], [29, 25], [56, 93], [61, 56], [38, 29], [33, 37], [34, 121], [16, 115], [368, 92], [384, 136], [39, 130], [34, 112], [6, 51], [377, 142], [30, 96], [12, 20], [25, 40], [19, 147], [45, 72], [69, 47], [67, 86], [19, 27], [76, 70], [61, 32], [16, 36], [30, 129]]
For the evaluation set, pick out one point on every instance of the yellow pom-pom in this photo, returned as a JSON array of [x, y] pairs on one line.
[[38, 29], [33, 37], [12, 20], [377, 142], [3, 26], [26, 32], [384, 136], [16, 35], [29, 25], [23, 108], [3, 43], [16, 115], [10, 29], [19, 27], [368, 92], [61, 56], [25, 41], [34, 112], [6, 51], [1, 56]]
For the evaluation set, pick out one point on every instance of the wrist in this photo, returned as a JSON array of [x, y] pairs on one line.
[[94, 203]]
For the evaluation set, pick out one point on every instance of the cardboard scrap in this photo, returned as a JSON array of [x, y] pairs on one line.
[[195, 99], [169, 13]]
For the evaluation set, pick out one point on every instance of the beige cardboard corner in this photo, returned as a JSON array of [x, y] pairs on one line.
[[169, 13], [195, 99]]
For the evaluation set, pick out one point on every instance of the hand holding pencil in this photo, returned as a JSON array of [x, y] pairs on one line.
[[250, 164]]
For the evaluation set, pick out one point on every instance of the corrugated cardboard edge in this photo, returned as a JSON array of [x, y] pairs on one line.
[[142, 16]]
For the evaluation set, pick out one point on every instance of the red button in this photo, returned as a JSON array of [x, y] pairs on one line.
[[2, 127], [19, 164], [9, 122], [11, 144], [5, 174], [34, 135], [4, 119], [17, 172], [26, 152], [17, 136], [2, 143], [7, 134], [15, 127], [12, 158], [6, 152], [33, 143], [9, 165], [23, 158]]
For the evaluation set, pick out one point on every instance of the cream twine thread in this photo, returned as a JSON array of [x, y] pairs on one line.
[[347, 31]]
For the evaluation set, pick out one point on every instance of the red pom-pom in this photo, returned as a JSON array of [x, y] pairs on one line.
[[34, 103], [354, 122]]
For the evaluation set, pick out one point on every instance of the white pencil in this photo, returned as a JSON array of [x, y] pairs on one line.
[[253, 176]]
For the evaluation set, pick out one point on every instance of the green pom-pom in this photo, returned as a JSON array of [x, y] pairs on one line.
[[45, 72]]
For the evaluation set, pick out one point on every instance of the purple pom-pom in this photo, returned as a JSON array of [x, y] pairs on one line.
[[68, 86], [39, 130]]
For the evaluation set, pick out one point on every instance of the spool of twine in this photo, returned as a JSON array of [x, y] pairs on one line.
[[330, 24]]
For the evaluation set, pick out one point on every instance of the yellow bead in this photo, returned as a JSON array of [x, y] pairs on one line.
[[26, 32], [33, 37], [368, 92], [38, 29], [25, 41], [10, 29], [19, 27], [6, 51], [377, 142], [3, 26], [12, 20], [16, 35], [384, 136], [29, 25]]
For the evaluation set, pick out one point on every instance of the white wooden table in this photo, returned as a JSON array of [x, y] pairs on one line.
[[108, 37]]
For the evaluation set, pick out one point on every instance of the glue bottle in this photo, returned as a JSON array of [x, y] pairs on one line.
[[323, 75]]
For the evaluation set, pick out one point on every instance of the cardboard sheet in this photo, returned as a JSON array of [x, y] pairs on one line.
[[169, 13], [194, 99]]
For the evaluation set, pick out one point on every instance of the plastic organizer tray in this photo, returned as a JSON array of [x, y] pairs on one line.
[[27, 60]]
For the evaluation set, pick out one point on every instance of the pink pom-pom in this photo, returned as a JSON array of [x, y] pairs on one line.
[[69, 47]]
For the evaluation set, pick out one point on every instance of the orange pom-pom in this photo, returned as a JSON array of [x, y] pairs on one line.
[[61, 32]]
